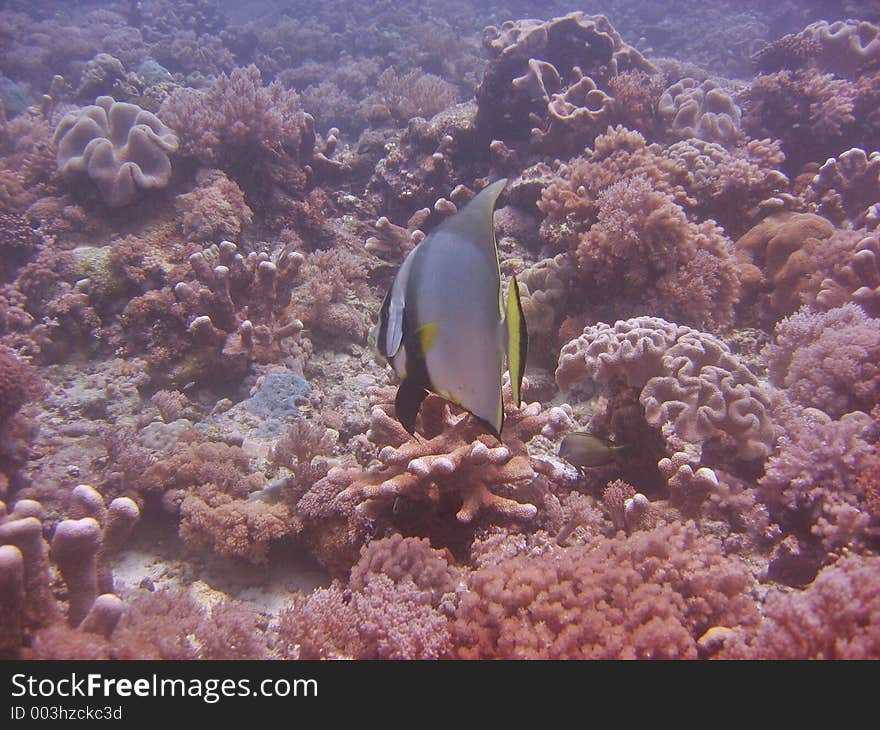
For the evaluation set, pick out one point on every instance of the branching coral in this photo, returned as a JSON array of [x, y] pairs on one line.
[[258, 135], [646, 596], [458, 462], [120, 146], [827, 360], [836, 617], [239, 308]]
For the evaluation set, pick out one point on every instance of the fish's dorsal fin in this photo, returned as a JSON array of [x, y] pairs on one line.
[[517, 341], [474, 221]]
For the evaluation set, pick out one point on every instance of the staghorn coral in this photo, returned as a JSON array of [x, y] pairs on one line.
[[649, 595], [691, 386], [703, 110], [827, 360], [454, 469], [117, 145]]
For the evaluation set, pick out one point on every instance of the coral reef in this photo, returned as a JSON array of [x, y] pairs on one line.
[[692, 214], [256, 134]]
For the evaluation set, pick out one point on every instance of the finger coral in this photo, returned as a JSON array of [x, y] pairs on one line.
[[81, 548], [120, 146]]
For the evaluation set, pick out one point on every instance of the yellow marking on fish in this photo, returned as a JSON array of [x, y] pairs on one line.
[[427, 335]]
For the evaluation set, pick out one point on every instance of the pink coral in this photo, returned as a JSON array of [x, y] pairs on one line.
[[642, 241], [646, 596], [810, 484], [458, 464], [692, 386], [216, 209], [828, 360], [254, 133], [836, 617], [389, 612], [81, 548]]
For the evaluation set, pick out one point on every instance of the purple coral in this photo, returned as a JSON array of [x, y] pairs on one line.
[[828, 360]]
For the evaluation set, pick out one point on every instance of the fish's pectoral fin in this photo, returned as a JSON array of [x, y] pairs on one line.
[[427, 335], [517, 341], [407, 403]]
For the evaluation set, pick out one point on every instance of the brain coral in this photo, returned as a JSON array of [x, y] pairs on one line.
[[120, 146], [699, 110], [692, 386]]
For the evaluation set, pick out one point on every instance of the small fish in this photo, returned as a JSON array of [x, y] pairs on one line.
[[582, 450], [444, 326]]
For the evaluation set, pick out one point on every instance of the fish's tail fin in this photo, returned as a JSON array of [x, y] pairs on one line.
[[517, 341]]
